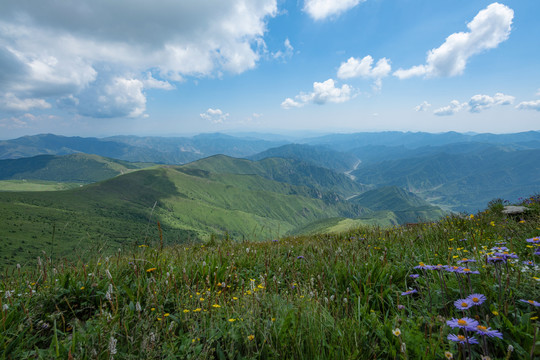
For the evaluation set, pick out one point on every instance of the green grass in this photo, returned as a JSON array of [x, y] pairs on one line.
[[334, 296], [36, 185]]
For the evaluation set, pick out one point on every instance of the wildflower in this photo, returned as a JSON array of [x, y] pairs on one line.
[[409, 292], [506, 255], [423, 266], [396, 332], [151, 269], [197, 310], [138, 307], [108, 274], [216, 306], [112, 345], [465, 260], [485, 331], [462, 339], [299, 257], [5, 307], [166, 314], [495, 312], [534, 240], [186, 311], [448, 355], [401, 307], [532, 302], [414, 276], [463, 304], [468, 271], [232, 320], [528, 262], [82, 287], [463, 323], [454, 269], [476, 299], [251, 337]]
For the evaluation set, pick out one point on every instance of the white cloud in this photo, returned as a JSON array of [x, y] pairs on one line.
[[422, 107], [113, 97], [479, 102], [287, 53], [289, 103], [529, 105], [215, 116], [476, 104], [44, 52], [487, 30], [454, 107], [321, 9], [322, 93], [364, 68], [11, 102], [151, 83]]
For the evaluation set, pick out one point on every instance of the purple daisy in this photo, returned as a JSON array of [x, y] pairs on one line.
[[463, 323], [454, 268], [500, 249], [299, 257], [495, 259], [528, 262], [462, 339], [506, 255], [423, 266], [531, 302], [476, 299], [468, 271], [414, 276], [485, 331], [463, 304], [438, 267], [534, 240], [413, 291]]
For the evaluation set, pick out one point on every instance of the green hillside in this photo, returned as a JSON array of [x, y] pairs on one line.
[[284, 170], [81, 168], [191, 204]]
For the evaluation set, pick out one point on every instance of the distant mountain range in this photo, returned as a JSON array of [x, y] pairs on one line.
[[460, 172]]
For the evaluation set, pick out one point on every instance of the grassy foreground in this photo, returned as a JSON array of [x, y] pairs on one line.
[[370, 293]]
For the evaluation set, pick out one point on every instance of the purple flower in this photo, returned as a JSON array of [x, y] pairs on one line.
[[464, 239], [534, 240], [468, 271], [299, 257], [414, 276], [401, 307], [462, 339], [485, 331], [537, 252], [438, 267], [476, 299], [463, 304], [506, 255], [413, 291], [423, 266], [464, 261], [454, 268], [500, 248], [501, 243], [528, 262], [463, 323], [531, 302], [495, 259]]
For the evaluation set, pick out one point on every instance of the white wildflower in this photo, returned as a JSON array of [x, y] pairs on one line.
[[112, 345], [5, 307], [138, 307], [108, 274]]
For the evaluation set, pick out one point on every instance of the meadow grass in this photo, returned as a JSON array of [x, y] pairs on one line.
[[334, 296]]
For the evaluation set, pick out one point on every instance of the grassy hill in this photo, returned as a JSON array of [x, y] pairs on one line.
[[79, 168], [288, 171], [368, 293], [191, 204]]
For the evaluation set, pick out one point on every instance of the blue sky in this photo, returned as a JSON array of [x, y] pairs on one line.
[[98, 68]]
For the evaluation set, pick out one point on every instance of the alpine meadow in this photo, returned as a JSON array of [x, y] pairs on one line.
[[264, 179]]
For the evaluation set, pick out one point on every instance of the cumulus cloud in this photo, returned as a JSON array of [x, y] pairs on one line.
[[529, 105], [322, 9], [476, 104], [60, 49], [356, 67], [454, 107], [322, 93], [215, 116], [487, 30], [422, 107]]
